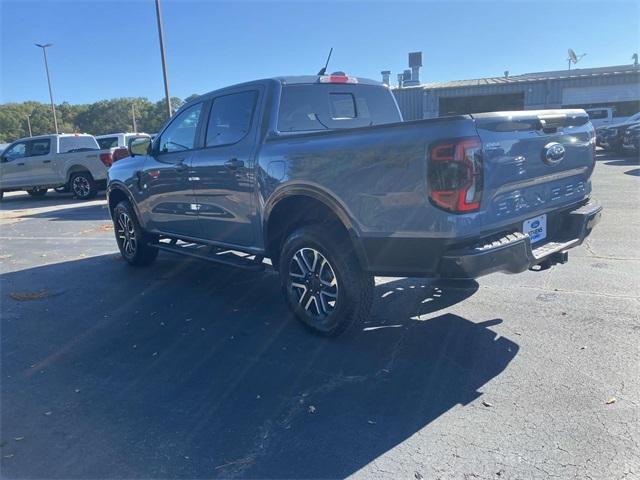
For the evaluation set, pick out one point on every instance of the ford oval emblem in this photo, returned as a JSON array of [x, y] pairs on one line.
[[553, 153], [535, 224]]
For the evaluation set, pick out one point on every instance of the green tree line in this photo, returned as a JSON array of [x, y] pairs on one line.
[[104, 116]]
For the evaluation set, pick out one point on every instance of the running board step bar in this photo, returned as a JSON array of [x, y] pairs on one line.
[[213, 254]]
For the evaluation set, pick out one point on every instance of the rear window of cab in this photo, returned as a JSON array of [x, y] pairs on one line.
[[313, 107]]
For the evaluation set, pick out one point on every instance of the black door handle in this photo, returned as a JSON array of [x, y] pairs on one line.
[[21, 164], [46, 161], [234, 163]]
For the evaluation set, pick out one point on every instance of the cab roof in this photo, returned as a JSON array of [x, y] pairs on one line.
[[284, 80]]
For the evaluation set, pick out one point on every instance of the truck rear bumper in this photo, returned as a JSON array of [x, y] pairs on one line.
[[514, 253], [509, 252]]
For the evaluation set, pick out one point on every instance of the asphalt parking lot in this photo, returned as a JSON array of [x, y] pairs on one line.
[[189, 370]]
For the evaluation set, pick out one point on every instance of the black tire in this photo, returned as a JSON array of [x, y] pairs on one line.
[[83, 186], [132, 240], [37, 192], [1, 194], [353, 290]]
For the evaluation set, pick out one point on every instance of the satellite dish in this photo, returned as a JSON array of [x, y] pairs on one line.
[[573, 58]]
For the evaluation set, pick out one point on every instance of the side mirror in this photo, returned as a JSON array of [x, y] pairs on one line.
[[140, 146]]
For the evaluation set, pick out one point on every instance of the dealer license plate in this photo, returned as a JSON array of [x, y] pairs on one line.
[[536, 228]]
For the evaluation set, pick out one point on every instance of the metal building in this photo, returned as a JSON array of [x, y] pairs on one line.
[[616, 86]]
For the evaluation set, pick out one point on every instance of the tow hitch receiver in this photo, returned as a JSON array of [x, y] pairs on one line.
[[550, 261]]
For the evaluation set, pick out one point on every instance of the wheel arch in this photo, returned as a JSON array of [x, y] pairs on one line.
[[77, 169], [283, 200], [116, 193]]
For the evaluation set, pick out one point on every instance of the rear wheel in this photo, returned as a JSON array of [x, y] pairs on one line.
[[83, 186], [132, 240], [323, 282], [37, 192]]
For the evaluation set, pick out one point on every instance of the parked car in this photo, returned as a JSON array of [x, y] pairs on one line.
[[321, 175], [36, 164], [116, 140], [631, 138], [611, 136], [600, 117]]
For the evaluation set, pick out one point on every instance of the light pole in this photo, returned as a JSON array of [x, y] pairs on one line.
[[46, 66], [133, 116], [29, 125], [164, 60]]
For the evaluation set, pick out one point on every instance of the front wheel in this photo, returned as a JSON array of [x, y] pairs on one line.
[[83, 186], [133, 242], [37, 192], [322, 280]]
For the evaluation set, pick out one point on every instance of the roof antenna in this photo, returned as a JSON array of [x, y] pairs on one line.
[[323, 70]]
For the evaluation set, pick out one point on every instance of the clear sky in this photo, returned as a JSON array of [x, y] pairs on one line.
[[107, 49]]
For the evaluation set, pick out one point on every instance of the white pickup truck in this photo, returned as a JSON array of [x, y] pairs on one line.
[[118, 140], [71, 161]]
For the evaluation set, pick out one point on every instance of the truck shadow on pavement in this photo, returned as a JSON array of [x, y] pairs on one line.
[[77, 212], [55, 207], [186, 370]]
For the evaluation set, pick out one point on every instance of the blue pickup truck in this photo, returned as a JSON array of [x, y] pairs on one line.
[[320, 177]]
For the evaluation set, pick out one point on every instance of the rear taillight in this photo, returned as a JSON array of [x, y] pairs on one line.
[[107, 159], [120, 153], [592, 140], [454, 174]]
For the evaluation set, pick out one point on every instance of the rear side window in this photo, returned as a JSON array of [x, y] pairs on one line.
[[230, 118], [39, 147], [79, 143], [107, 142], [312, 107]]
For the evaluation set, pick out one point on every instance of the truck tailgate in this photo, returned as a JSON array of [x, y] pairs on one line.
[[534, 161]]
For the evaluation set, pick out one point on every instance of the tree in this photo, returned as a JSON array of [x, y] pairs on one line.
[[104, 116]]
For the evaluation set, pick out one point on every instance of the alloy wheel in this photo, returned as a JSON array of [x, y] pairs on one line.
[[81, 186], [127, 234], [313, 283]]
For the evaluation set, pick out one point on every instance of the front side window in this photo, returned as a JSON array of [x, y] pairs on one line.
[[108, 142], [40, 147], [180, 135], [19, 150], [230, 118]]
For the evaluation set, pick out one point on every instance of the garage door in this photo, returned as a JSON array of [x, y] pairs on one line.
[[601, 94]]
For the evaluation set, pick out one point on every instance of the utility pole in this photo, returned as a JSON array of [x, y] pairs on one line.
[[164, 59], [29, 125], [46, 66], [133, 116]]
